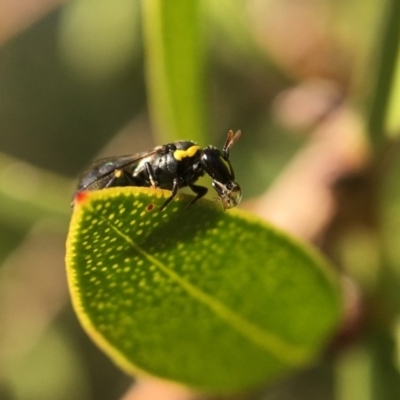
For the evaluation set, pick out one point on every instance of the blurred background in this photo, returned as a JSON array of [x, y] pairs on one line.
[[312, 85]]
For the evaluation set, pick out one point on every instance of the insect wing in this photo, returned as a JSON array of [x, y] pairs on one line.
[[100, 170]]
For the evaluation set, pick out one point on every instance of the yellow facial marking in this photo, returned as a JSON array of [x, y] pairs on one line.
[[190, 152]]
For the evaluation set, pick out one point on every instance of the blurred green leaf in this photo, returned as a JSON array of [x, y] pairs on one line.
[[175, 69], [215, 300], [232, 33], [353, 372], [368, 371], [360, 257], [47, 368], [392, 122], [100, 38], [383, 118], [390, 228], [28, 193]]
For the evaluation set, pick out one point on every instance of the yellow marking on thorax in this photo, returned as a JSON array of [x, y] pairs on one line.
[[190, 152], [118, 173]]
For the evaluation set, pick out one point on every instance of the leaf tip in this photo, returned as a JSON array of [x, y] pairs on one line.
[[79, 198]]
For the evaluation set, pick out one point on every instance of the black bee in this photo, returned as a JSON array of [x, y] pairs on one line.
[[170, 166]]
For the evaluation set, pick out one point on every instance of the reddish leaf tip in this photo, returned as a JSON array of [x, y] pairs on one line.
[[80, 197]]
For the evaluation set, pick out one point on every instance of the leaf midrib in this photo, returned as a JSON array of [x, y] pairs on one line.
[[285, 352]]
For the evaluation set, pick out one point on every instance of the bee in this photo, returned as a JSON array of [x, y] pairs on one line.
[[170, 166]]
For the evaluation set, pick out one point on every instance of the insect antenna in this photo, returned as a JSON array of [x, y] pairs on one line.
[[231, 139]]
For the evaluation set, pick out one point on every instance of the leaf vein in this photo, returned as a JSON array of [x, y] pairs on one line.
[[282, 350]]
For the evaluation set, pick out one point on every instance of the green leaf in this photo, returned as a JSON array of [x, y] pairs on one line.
[[175, 68], [368, 370], [29, 193], [392, 122], [99, 39], [216, 300], [383, 118]]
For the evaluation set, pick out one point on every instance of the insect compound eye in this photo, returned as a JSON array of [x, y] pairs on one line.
[[234, 196], [229, 194]]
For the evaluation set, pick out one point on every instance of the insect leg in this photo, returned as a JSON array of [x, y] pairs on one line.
[[200, 192], [120, 177], [151, 175], [175, 187]]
